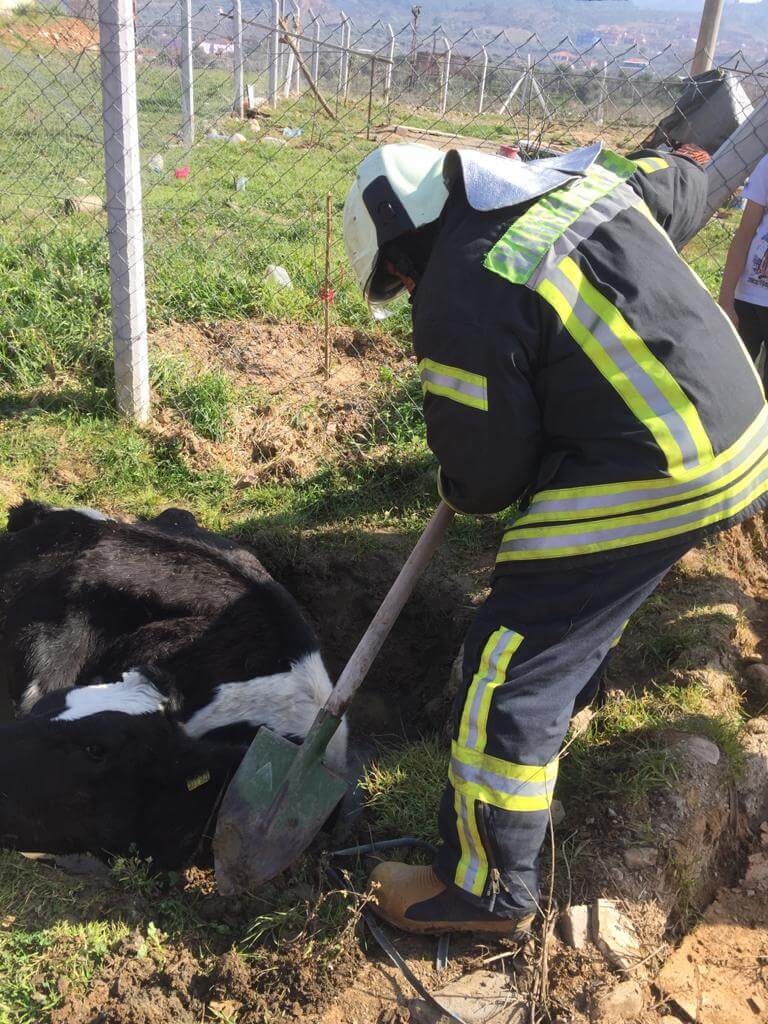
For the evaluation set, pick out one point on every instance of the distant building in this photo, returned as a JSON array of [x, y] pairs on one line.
[[586, 39], [635, 64], [564, 58], [215, 49]]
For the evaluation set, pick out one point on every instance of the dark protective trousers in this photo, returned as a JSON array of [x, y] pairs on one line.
[[536, 649]]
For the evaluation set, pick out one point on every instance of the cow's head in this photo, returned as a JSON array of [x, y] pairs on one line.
[[107, 770]]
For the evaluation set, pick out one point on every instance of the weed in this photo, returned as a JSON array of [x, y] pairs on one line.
[[205, 399]]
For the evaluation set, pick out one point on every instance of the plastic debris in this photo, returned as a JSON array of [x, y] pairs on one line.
[[240, 183], [274, 141], [215, 135], [237, 138], [278, 276], [292, 133], [156, 163], [181, 173]]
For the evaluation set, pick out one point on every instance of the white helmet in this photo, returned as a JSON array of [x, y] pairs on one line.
[[397, 189]]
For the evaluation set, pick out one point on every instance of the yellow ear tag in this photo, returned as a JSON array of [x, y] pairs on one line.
[[196, 781]]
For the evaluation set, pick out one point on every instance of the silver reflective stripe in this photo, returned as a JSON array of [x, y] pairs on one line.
[[603, 537], [500, 783], [660, 495], [622, 198], [632, 370], [476, 857], [488, 678], [444, 380]]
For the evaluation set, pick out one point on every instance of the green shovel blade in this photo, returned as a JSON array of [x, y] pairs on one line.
[[279, 799]]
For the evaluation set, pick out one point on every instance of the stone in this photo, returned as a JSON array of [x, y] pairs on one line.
[[752, 783], [237, 138], [557, 813], [636, 858], [622, 1003], [614, 935], [757, 871], [574, 927], [580, 721], [83, 204], [757, 679], [698, 749], [482, 997]]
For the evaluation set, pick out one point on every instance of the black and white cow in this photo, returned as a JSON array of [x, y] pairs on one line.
[[142, 659]]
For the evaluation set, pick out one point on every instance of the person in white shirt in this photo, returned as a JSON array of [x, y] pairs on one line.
[[744, 289]]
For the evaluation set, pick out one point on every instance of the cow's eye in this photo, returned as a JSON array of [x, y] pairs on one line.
[[95, 753]]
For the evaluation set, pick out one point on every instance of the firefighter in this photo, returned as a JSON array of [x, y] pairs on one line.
[[575, 368]]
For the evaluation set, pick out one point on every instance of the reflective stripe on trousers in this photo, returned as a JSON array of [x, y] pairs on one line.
[[479, 778]]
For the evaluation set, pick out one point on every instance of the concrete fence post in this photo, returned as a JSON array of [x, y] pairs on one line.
[[346, 36], [446, 75], [297, 29], [237, 58], [124, 216], [187, 82], [483, 78], [274, 54], [315, 46], [390, 66], [600, 119]]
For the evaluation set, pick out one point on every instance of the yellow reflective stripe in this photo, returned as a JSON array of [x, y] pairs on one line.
[[760, 488], [662, 483], [642, 355], [498, 651], [649, 164], [717, 487], [472, 869], [452, 382], [508, 769], [502, 800], [619, 635]]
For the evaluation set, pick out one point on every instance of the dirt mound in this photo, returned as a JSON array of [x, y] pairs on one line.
[[65, 34], [297, 415]]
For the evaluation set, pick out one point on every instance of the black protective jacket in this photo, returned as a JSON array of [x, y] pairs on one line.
[[575, 366]]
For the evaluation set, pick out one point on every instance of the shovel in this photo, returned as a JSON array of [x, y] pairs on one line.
[[282, 793]]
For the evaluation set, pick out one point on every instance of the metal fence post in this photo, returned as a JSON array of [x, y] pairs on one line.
[[446, 75], [483, 77], [390, 66], [117, 43], [237, 57], [187, 85], [274, 53]]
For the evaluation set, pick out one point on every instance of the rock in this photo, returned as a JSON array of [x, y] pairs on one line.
[[254, 125], [580, 721], [622, 1003], [697, 749], [278, 276], [273, 141], [557, 813], [757, 871], [81, 864], [614, 935], [637, 858], [237, 138], [574, 927], [752, 783], [83, 204], [756, 677], [482, 997]]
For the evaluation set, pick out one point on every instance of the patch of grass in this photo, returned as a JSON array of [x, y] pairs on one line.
[[205, 399], [403, 787]]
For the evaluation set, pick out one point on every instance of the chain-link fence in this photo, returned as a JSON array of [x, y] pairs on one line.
[[222, 142]]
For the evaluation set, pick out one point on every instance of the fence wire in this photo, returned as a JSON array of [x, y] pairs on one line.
[[247, 122]]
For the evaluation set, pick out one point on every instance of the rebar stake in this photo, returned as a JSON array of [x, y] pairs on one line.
[[328, 295]]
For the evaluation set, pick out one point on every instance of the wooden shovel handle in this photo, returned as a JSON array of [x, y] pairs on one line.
[[358, 665]]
